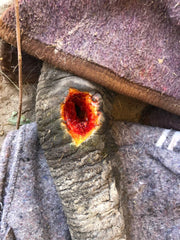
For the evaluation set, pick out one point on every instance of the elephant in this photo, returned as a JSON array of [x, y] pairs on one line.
[[116, 179], [113, 185], [83, 175]]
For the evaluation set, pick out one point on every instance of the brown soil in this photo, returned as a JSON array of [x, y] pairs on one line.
[[9, 104]]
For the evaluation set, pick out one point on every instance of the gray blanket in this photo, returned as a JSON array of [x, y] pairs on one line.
[[149, 165], [30, 206]]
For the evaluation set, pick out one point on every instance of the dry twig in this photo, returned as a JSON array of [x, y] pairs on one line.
[[18, 38], [4, 75]]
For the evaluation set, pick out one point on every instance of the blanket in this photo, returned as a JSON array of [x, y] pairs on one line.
[[146, 166], [131, 47], [30, 206]]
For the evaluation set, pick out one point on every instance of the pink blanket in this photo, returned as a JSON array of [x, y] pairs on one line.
[[131, 47]]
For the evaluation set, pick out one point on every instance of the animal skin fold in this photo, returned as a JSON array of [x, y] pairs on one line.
[[131, 47]]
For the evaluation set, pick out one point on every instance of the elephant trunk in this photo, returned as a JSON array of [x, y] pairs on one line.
[[81, 166]]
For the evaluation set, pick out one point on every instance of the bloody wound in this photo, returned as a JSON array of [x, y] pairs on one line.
[[80, 115]]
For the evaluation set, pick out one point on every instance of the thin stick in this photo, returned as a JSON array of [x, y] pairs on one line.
[[18, 38], [4, 75]]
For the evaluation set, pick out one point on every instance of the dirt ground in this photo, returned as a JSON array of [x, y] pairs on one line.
[[9, 105], [9, 97]]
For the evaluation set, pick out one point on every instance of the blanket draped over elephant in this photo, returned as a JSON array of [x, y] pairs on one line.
[[114, 180]]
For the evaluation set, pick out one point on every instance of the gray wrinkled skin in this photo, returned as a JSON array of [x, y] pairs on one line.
[[83, 175], [117, 184]]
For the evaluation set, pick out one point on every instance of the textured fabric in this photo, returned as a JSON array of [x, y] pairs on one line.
[[147, 169], [30, 206], [131, 46]]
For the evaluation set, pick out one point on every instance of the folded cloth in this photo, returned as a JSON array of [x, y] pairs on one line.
[[147, 170], [30, 206], [148, 166], [131, 47]]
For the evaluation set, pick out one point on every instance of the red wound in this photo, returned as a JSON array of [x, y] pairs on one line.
[[80, 115]]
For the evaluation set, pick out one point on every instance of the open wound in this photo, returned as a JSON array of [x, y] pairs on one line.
[[80, 115]]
